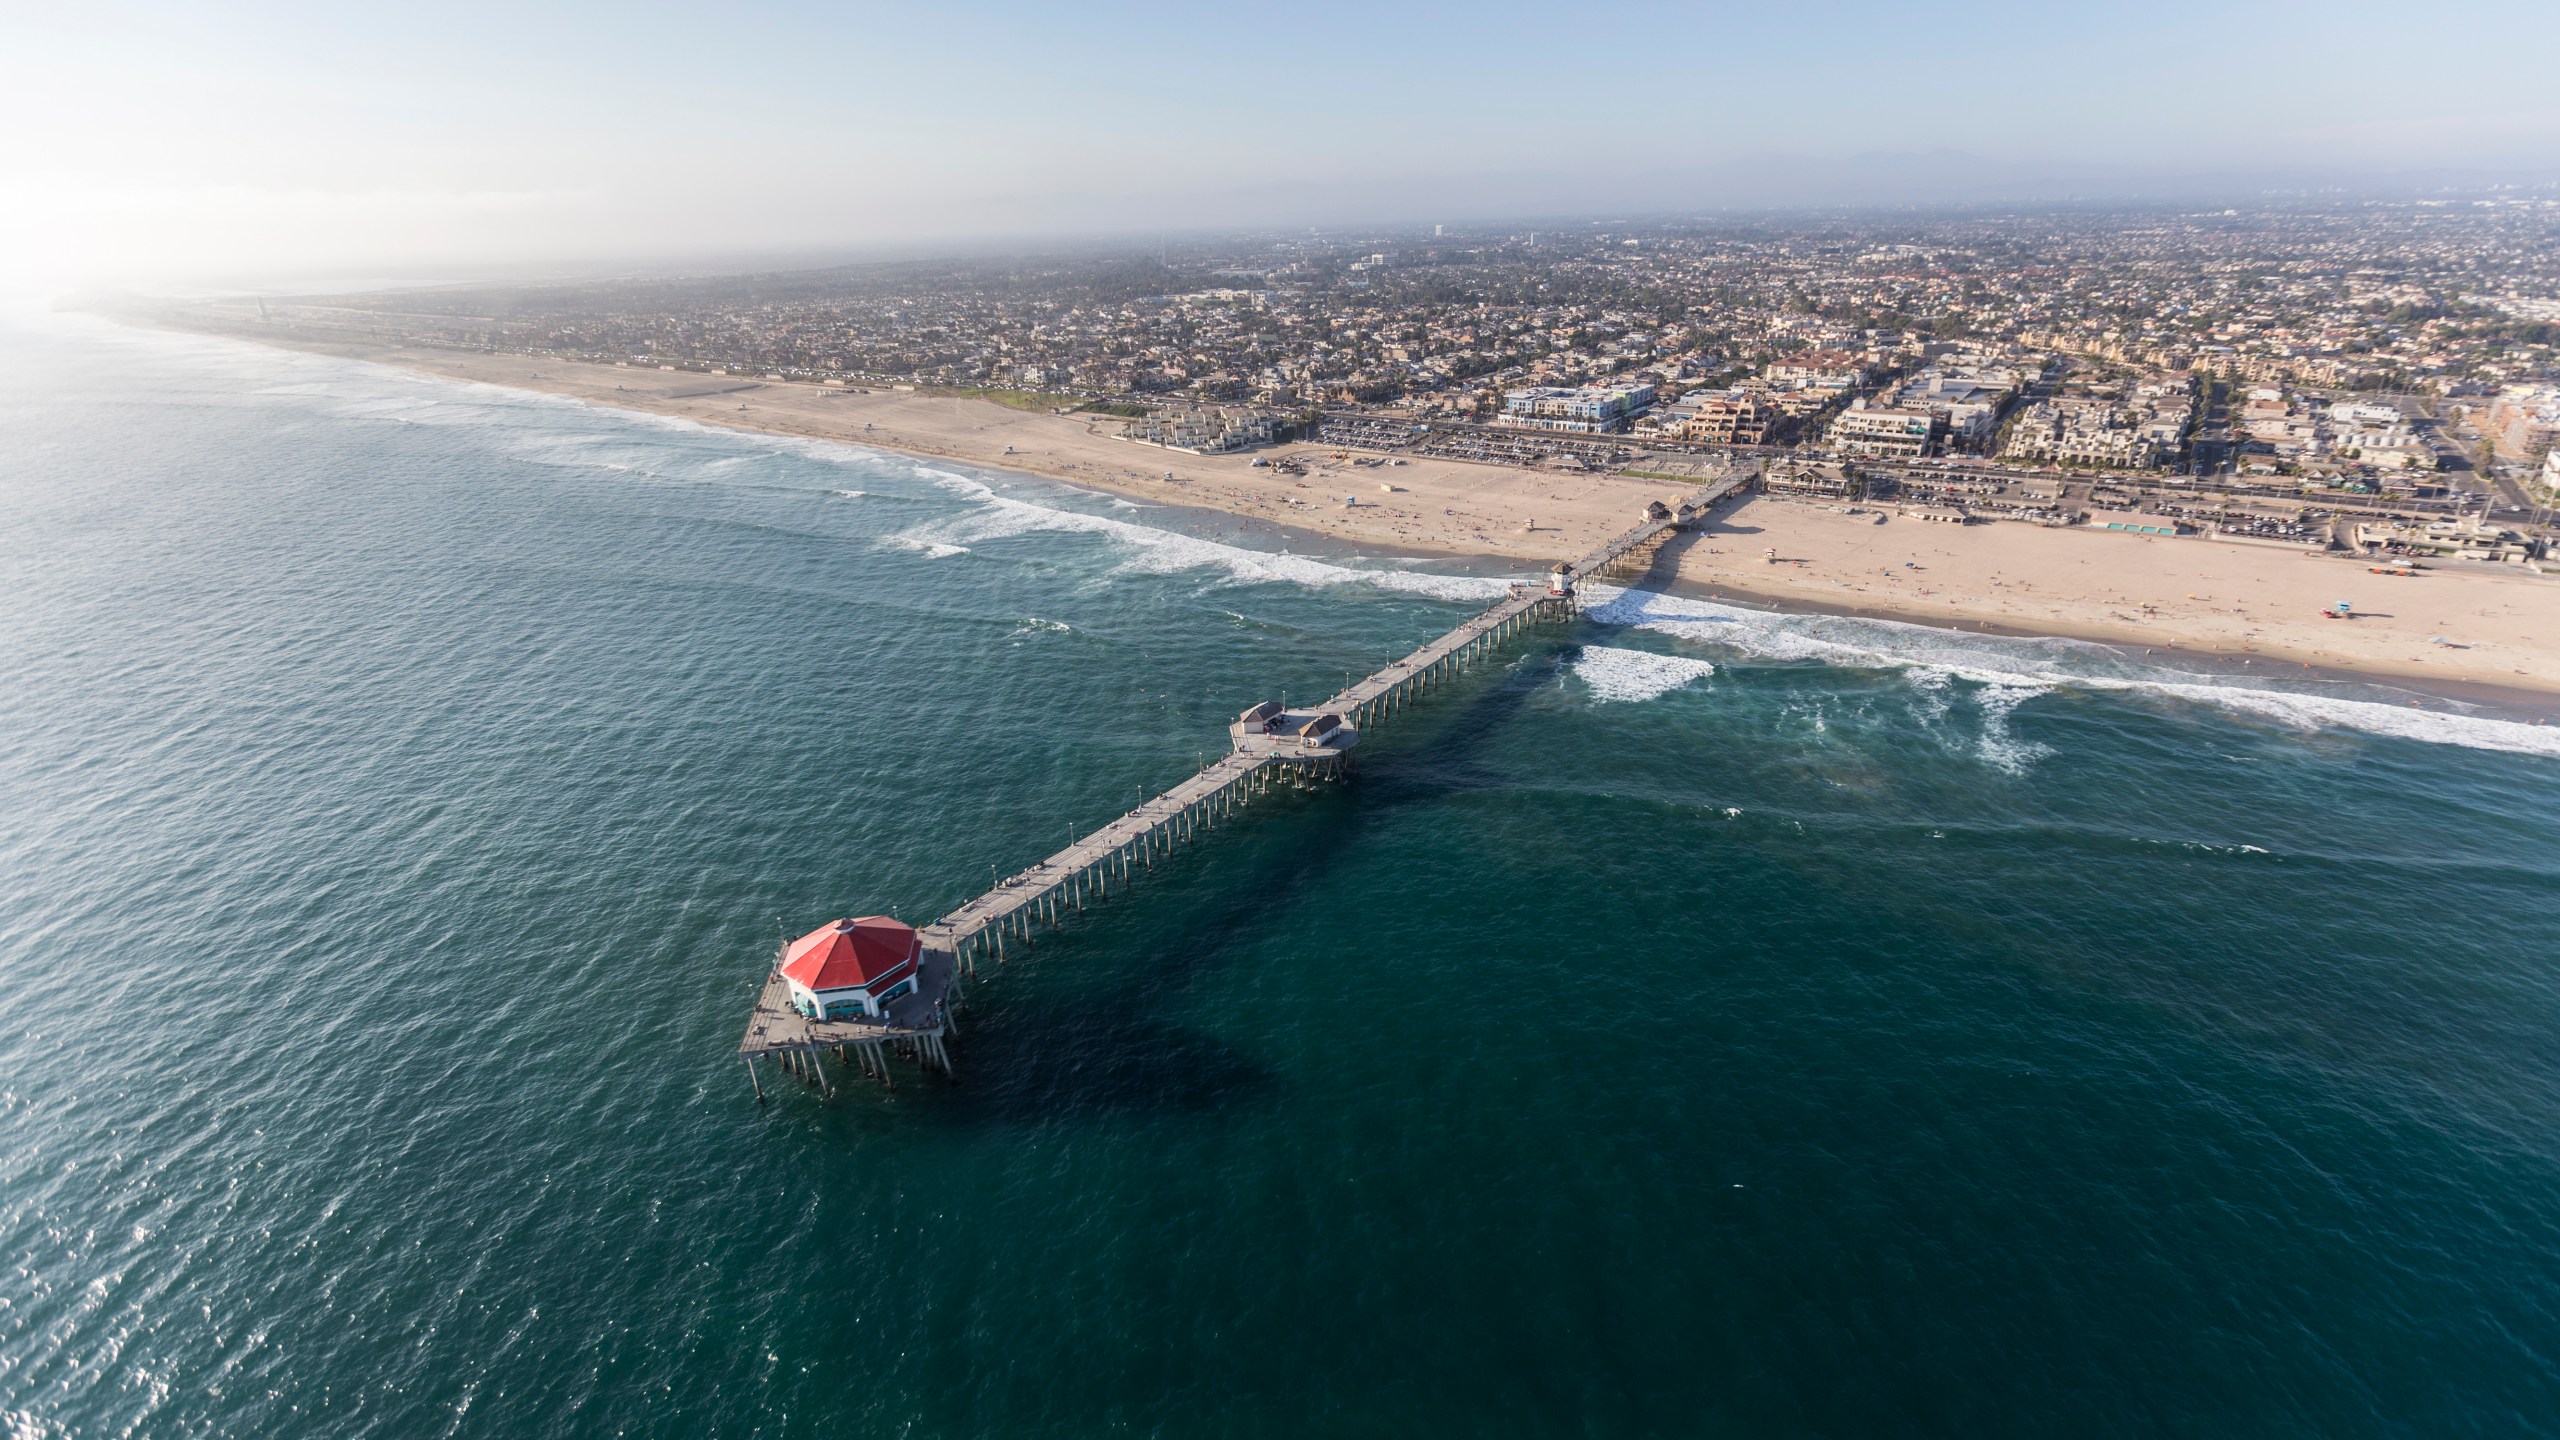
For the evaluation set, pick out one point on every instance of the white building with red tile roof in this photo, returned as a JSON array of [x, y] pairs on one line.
[[851, 968]]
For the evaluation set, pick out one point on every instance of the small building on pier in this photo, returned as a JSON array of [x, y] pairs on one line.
[[1303, 737], [852, 969]]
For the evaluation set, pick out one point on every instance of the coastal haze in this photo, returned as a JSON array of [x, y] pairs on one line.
[[1937, 814], [275, 142], [2011, 420]]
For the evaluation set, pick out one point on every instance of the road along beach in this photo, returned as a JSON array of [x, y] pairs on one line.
[[2456, 625]]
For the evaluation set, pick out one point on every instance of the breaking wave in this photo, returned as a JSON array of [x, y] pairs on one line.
[[2013, 670], [996, 516], [366, 390], [2009, 671], [1635, 675], [1998, 747]]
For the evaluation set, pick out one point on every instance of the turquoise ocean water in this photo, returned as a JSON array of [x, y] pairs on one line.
[[1703, 1023]]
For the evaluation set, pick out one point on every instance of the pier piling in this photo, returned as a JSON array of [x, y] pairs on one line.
[[917, 1023]]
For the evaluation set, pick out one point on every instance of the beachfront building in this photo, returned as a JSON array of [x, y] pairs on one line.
[[1585, 409], [2393, 448], [2133, 522], [1737, 417], [1210, 431], [2100, 433], [1886, 434], [2377, 435], [1814, 481], [2445, 540], [851, 969], [1968, 392]]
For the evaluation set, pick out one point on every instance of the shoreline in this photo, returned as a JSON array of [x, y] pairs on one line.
[[2005, 565], [1487, 512], [2503, 702]]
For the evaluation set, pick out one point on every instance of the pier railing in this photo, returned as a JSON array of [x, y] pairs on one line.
[[1094, 866]]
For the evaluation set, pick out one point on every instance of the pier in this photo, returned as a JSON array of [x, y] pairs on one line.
[[1271, 747]]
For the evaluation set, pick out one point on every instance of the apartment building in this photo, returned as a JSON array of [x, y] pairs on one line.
[[1966, 395], [2082, 431], [2524, 419], [1583, 409], [1204, 432], [1737, 417], [1833, 371], [1886, 434]]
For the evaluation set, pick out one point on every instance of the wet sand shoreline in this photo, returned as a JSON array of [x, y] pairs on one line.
[[2501, 632]]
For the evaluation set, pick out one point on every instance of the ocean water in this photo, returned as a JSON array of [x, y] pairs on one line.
[[1704, 1022]]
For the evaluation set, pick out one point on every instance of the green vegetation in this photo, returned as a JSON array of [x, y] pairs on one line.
[[1040, 400]]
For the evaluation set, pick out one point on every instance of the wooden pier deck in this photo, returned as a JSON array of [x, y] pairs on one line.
[[1386, 690], [1093, 866], [916, 1022], [1096, 864]]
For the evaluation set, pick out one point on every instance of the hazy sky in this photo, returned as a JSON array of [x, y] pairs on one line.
[[143, 140]]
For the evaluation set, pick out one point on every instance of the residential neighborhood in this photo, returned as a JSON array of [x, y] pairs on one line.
[[2394, 361]]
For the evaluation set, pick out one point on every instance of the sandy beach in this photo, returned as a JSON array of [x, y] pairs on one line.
[[1425, 506], [2455, 625]]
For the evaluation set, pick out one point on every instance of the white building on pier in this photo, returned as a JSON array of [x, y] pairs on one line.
[[852, 969]]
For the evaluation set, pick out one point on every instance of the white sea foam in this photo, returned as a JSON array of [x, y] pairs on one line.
[[1635, 675], [2319, 712], [2012, 670], [2017, 667], [1148, 550], [1930, 688], [2001, 749], [993, 514]]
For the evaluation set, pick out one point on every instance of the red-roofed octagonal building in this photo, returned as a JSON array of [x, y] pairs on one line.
[[851, 968]]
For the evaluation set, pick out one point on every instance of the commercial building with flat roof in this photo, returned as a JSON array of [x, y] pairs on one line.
[[1832, 370], [1204, 432], [1740, 417], [2133, 521], [1886, 434], [1586, 409]]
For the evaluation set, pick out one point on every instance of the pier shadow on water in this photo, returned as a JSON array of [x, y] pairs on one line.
[[1090, 1033], [1094, 1036], [1097, 1035], [1046, 1064], [1097, 1040]]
